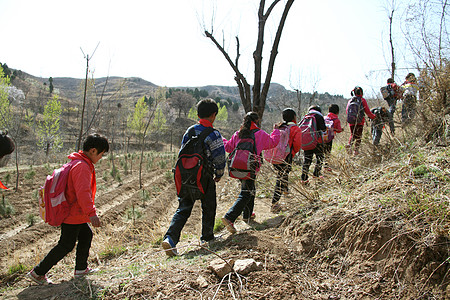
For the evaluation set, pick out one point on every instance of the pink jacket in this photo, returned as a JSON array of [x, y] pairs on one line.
[[80, 190], [263, 141]]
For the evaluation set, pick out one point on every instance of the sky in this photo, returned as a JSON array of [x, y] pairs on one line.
[[326, 45]]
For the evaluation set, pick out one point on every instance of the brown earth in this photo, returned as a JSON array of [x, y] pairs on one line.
[[314, 249]]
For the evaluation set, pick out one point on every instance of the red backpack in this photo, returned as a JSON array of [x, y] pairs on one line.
[[193, 168], [243, 160], [53, 206], [310, 135]]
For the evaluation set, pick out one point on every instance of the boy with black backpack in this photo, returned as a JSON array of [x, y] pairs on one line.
[[391, 93], [382, 117], [319, 125], [210, 155]]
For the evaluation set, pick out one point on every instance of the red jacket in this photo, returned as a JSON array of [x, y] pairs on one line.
[[398, 91], [80, 190]]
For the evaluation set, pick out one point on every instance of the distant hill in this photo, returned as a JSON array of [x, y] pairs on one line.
[[134, 88]]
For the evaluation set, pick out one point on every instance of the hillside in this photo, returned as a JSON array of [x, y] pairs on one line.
[[376, 227]]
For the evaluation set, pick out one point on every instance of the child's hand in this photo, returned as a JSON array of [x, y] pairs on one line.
[[95, 221]]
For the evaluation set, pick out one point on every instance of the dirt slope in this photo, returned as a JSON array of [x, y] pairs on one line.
[[314, 249]]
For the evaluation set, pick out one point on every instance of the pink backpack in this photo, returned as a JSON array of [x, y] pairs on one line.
[[278, 154], [53, 206]]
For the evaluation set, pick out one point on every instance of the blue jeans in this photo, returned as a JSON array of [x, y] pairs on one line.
[[391, 102], [377, 131], [70, 233], [185, 205], [245, 201]]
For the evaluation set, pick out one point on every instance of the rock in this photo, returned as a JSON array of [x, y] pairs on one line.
[[201, 281], [245, 266], [220, 267]]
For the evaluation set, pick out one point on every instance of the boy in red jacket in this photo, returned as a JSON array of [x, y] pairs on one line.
[[333, 112], [80, 194]]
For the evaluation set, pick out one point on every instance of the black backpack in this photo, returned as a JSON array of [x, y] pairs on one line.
[[193, 168], [355, 111]]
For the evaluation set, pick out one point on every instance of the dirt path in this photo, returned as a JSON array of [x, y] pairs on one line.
[[311, 250]]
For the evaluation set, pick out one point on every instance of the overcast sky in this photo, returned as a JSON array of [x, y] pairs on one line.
[[327, 44]]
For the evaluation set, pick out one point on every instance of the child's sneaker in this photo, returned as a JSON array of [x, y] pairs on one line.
[[39, 279], [81, 273], [229, 225], [169, 247]]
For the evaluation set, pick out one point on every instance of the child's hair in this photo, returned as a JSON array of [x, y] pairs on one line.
[[96, 141], [6, 144], [411, 77], [390, 80], [315, 107], [206, 108], [289, 115], [334, 108], [248, 119], [357, 91]]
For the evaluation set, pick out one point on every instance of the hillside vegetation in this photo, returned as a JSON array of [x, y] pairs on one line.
[[377, 226]]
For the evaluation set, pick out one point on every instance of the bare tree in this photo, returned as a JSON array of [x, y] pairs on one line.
[[260, 90], [391, 8], [182, 102], [84, 97]]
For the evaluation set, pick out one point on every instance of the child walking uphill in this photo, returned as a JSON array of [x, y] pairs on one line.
[[283, 169], [316, 112], [335, 125], [356, 107], [409, 98], [80, 194], [263, 141], [207, 110]]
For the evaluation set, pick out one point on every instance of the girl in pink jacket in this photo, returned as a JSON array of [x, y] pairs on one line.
[[263, 141]]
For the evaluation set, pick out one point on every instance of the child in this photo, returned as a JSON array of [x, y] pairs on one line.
[[392, 101], [207, 110], [333, 112], [283, 169], [80, 194], [409, 97], [246, 199], [356, 128], [316, 111], [6, 147], [382, 117]]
